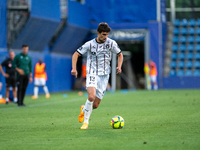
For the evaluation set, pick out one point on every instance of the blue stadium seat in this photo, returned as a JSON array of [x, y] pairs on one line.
[[181, 64], [190, 47], [190, 39], [175, 39], [197, 47], [188, 64], [182, 47], [196, 72], [172, 73], [197, 39], [173, 64], [192, 22], [176, 31], [183, 31], [183, 39], [188, 72], [173, 56], [180, 73], [197, 56], [184, 22], [198, 31], [176, 22], [191, 31], [181, 56], [189, 56], [198, 22], [196, 64], [174, 48]]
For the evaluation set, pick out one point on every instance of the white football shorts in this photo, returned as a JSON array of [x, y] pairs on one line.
[[39, 81], [153, 78], [100, 83]]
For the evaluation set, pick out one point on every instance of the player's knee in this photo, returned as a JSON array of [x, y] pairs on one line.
[[91, 98]]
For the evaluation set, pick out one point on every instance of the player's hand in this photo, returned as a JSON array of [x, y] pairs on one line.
[[119, 70], [21, 72], [74, 73], [6, 75], [30, 79]]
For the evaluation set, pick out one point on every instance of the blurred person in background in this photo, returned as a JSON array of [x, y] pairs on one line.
[[10, 75], [22, 63], [40, 78], [147, 76], [84, 74], [153, 74]]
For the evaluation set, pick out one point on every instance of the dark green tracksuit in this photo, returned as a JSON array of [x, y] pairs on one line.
[[23, 62]]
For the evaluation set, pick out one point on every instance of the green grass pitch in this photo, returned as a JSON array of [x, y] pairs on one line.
[[155, 120]]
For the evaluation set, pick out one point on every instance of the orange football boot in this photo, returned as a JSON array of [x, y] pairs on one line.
[[81, 116]]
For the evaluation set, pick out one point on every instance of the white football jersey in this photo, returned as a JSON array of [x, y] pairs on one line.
[[99, 55]]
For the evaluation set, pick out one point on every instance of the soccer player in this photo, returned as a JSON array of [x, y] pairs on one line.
[[153, 74], [99, 52], [11, 79], [40, 79]]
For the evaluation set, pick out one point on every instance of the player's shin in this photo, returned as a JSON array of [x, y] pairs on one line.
[[87, 110]]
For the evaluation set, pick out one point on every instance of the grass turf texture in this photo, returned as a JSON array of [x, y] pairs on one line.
[[164, 119]]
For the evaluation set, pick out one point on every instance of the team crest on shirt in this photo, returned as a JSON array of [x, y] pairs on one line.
[[10, 64]]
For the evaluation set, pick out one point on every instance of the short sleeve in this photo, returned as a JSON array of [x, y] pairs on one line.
[[84, 48], [115, 48], [4, 63]]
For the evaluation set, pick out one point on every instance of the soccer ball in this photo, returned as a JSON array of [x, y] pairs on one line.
[[117, 122]]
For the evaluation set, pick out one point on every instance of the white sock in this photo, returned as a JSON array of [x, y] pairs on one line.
[[1, 96], [155, 87], [7, 99], [36, 89], [15, 99], [46, 89], [87, 110]]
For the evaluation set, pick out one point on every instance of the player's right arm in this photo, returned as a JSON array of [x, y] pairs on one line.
[[1, 69], [74, 62], [80, 51], [15, 65]]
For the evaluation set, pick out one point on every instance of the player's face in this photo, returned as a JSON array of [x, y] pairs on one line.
[[102, 36], [25, 50], [11, 55]]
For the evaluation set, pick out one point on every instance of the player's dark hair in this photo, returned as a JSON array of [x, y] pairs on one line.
[[103, 27], [24, 45]]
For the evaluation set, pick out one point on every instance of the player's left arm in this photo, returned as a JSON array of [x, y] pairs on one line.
[[120, 61]]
